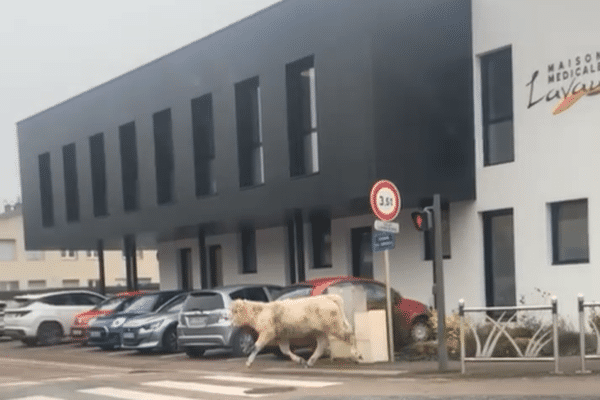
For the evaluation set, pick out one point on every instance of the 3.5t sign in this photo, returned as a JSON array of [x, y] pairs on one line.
[[385, 200]]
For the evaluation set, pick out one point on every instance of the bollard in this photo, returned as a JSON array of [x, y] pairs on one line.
[[581, 334], [555, 332], [461, 313]]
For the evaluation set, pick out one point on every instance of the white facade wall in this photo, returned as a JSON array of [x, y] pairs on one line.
[[555, 155]]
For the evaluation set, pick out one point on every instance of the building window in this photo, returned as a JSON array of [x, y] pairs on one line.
[[497, 96], [140, 254], [91, 254], [70, 283], [302, 117], [92, 283], [34, 255], [6, 286], [204, 145], [129, 167], [8, 250], [249, 133], [321, 241], [428, 235], [36, 284], [46, 190], [163, 156], [499, 256], [70, 176], [248, 251], [68, 254], [570, 232], [98, 160]]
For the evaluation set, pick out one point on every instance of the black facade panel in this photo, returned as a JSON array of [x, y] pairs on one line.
[[98, 165], [372, 61]]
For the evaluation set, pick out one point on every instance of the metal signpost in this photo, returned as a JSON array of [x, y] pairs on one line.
[[385, 203]]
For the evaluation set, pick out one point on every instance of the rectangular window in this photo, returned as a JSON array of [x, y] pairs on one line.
[[248, 251], [6, 286], [204, 145], [92, 254], [129, 167], [46, 190], [70, 175], [34, 255], [36, 284], [163, 156], [249, 133], [445, 236], [570, 232], [497, 96], [98, 160], [499, 252], [70, 283], [68, 254], [302, 117], [321, 241], [8, 250]]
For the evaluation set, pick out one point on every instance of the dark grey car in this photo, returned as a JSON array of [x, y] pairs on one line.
[[205, 322]]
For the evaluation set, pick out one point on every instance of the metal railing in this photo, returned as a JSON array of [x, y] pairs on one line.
[[534, 345], [582, 306]]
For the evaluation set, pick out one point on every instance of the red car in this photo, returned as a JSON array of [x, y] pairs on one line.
[[411, 317], [111, 305]]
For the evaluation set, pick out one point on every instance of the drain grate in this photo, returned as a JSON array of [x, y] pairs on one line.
[[269, 390]]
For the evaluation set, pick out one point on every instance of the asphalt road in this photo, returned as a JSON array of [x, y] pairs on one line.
[[69, 371]]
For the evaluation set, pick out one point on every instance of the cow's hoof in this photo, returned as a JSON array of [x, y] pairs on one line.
[[248, 364]]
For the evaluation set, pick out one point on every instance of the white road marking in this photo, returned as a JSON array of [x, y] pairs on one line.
[[19, 383], [336, 371], [201, 387], [62, 364], [130, 394], [276, 382], [65, 379], [122, 353], [37, 398]]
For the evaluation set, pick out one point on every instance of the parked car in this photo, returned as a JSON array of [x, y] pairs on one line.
[[46, 318], [154, 331], [115, 303], [411, 317], [205, 323], [106, 331], [2, 307]]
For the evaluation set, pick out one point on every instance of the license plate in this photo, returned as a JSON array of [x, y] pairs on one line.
[[95, 334], [76, 332], [197, 321], [128, 335]]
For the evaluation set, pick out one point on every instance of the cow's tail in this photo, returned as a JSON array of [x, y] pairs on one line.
[[340, 303]]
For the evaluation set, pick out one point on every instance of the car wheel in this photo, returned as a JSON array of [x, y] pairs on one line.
[[420, 331], [194, 352], [49, 333], [169, 340], [242, 343]]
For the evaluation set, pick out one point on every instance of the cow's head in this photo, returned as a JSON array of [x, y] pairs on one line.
[[244, 312]]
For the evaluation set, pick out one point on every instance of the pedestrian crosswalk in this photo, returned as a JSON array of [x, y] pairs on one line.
[[206, 386]]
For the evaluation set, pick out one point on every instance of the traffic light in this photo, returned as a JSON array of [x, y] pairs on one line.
[[423, 220]]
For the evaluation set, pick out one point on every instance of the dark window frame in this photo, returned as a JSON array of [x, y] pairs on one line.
[[248, 249], [129, 167], [488, 120], [203, 135], [69, 153], [248, 110], [301, 121], [98, 170], [554, 212]]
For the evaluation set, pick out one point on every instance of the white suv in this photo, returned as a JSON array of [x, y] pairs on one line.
[[45, 318]]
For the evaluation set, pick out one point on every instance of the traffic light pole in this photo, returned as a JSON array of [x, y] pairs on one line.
[[439, 284]]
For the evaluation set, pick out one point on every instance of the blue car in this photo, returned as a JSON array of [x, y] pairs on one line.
[[106, 332]]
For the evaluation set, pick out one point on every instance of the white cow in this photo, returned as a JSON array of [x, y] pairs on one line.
[[280, 321]]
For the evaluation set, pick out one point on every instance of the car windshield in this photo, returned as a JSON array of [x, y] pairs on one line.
[[142, 304], [204, 302], [110, 304], [294, 292]]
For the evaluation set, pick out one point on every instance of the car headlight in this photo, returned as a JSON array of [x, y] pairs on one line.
[[91, 320], [153, 326], [117, 322]]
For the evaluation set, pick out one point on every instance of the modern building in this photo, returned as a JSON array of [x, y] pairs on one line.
[[248, 155], [33, 270]]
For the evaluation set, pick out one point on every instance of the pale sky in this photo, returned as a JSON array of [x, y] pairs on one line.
[[53, 50]]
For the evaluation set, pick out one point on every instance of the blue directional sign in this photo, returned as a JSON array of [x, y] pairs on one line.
[[381, 241]]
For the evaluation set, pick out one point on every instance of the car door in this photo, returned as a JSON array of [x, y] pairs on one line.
[[59, 309]]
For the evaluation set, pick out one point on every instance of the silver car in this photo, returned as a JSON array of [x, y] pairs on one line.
[[205, 322], [155, 330]]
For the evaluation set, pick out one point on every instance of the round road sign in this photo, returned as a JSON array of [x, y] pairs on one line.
[[385, 200]]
